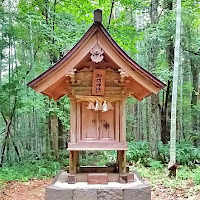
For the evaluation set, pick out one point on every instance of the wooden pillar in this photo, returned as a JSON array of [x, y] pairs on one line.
[[123, 120], [121, 158], [72, 120], [121, 154], [73, 161]]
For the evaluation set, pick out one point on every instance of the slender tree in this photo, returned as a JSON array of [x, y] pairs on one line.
[[154, 114], [172, 163]]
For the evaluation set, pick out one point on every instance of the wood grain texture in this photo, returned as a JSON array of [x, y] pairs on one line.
[[78, 122], [88, 124], [98, 145], [106, 125], [72, 120], [122, 121], [98, 82], [121, 157], [73, 160], [117, 114]]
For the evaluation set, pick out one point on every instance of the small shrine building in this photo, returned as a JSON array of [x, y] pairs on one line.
[[97, 76]]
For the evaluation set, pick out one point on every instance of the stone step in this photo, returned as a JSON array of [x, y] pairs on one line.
[[97, 178]]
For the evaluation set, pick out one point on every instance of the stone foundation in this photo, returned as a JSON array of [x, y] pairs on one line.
[[61, 190]]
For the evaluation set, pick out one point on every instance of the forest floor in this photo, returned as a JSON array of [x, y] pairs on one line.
[[35, 189]]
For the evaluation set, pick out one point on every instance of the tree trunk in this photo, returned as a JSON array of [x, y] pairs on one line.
[[136, 133], [154, 11], [61, 144], [54, 134], [165, 130], [1, 44], [194, 98], [165, 110], [154, 115], [154, 125], [175, 88], [7, 130]]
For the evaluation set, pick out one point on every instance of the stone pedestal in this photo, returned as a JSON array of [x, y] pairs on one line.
[[61, 190]]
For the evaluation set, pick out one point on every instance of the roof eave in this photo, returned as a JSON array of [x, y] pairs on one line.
[[62, 60], [101, 28], [159, 83]]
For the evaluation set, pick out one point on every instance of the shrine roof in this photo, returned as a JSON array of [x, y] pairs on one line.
[[96, 34]]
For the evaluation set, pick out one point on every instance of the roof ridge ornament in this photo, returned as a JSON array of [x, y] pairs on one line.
[[97, 53], [97, 16]]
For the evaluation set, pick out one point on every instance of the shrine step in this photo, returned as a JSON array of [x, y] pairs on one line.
[[100, 178]]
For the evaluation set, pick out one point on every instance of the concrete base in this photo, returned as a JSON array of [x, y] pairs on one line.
[[61, 190]]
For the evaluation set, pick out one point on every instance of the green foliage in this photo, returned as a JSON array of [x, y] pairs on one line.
[[156, 164], [92, 158], [196, 175], [163, 152], [27, 170], [97, 158], [160, 175], [187, 154], [185, 172], [138, 152]]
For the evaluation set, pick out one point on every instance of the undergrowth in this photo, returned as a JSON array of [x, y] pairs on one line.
[[25, 171], [186, 153], [161, 175]]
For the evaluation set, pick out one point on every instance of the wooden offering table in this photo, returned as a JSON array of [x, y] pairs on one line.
[[97, 76]]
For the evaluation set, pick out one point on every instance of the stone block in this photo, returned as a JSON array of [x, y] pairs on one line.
[[53, 193], [130, 177], [71, 179], [85, 194], [63, 178], [58, 176], [138, 193], [97, 178], [110, 194], [122, 178]]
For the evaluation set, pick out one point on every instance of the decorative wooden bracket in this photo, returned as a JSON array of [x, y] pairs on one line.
[[97, 53], [123, 75], [122, 81], [72, 76]]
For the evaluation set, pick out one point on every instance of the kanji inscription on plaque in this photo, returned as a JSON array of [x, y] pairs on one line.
[[98, 83]]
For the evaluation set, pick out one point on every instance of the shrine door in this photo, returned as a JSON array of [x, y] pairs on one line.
[[96, 125]]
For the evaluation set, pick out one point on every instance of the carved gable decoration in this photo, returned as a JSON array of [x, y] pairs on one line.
[[97, 53]]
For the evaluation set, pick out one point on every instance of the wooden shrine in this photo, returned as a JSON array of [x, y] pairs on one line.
[[97, 76]]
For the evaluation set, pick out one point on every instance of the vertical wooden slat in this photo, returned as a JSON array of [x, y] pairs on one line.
[[79, 114], [117, 121], [123, 120], [72, 120], [98, 134]]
